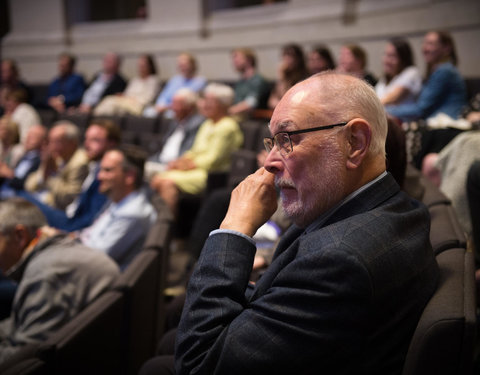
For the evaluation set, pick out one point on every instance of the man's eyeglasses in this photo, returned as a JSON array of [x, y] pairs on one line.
[[284, 143]]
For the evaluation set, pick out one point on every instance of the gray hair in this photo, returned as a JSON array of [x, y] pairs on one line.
[[16, 211], [72, 133], [355, 98], [223, 93], [189, 96]]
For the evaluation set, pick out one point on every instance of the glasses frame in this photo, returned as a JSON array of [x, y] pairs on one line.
[[267, 140]]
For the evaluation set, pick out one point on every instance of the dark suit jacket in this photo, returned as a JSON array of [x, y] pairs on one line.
[[344, 298], [116, 85], [192, 124]]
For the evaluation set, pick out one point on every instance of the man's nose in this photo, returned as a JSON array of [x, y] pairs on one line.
[[273, 162]]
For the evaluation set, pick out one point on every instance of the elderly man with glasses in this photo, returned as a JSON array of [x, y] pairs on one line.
[[350, 278]]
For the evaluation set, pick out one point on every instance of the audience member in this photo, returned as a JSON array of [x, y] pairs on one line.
[[10, 149], [180, 134], [186, 78], [140, 92], [10, 81], [449, 170], [401, 81], [292, 69], [101, 135], [472, 111], [444, 89], [13, 177], [63, 168], [122, 226], [20, 112], [251, 90], [67, 89], [353, 60], [349, 217], [319, 60], [107, 82], [218, 137], [57, 277]]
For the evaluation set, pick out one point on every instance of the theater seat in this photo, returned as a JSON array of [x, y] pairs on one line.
[[139, 285], [24, 362], [158, 239], [445, 230], [30, 366], [443, 341], [90, 342]]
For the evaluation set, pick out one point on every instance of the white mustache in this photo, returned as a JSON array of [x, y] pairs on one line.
[[281, 183]]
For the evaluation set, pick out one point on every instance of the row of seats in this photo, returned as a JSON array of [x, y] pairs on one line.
[[444, 340], [149, 132], [119, 331]]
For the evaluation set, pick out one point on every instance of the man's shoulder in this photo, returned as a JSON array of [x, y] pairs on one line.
[[63, 254], [194, 121], [398, 222], [257, 78], [79, 158], [77, 78], [137, 205]]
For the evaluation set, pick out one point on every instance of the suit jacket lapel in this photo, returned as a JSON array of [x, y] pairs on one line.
[[280, 259], [287, 247]]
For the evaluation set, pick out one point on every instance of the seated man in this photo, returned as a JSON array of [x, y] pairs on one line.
[[101, 135], [107, 82], [251, 91], [349, 280], [181, 132], [57, 276], [67, 89], [122, 226], [449, 171], [63, 168], [14, 178], [186, 78]]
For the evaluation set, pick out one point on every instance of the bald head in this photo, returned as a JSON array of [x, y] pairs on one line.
[[333, 98], [329, 134]]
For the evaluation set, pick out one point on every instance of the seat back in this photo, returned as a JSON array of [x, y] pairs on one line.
[[24, 361], [443, 341], [139, 285], [445, 230], [30, 366], [158, 239], [244, 162], [90, 342], [250, 133]]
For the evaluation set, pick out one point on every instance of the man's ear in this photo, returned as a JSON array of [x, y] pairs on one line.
[[130, 177], [359, 135], [22, 236]]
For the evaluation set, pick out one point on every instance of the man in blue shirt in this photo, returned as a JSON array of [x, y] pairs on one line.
[[67, 89], [122, 226], [186, 78]]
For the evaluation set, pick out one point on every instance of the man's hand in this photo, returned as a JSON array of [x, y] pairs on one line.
[[252, 203], [57, 103]]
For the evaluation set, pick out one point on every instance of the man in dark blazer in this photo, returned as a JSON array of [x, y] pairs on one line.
[[180, 133], [350, 278], [107, 82]]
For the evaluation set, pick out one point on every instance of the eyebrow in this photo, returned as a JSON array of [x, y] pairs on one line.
[[282, 126]]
